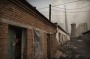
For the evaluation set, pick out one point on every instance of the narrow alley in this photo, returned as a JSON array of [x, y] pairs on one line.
[[44, 29]]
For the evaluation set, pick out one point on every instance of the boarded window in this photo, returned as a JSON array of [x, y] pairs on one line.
[[37, 44]]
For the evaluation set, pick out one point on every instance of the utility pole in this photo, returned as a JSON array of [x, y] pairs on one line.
[[66, 24], [50, 12]]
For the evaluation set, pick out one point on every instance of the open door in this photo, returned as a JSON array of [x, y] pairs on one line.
[[24, 44], [11, 40], [16, 43], [48, 46]]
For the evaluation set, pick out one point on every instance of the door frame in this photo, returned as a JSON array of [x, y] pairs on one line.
[[23, 41]]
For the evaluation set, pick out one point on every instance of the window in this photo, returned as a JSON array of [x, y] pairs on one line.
[[37, 44], [59, 35]]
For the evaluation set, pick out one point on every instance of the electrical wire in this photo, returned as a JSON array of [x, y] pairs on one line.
[[69, 9], [75, 8], [60, 4], [43, 8], [66, 3], [69, 12]]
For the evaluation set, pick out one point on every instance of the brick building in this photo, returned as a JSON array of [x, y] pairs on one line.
[[24, 32]]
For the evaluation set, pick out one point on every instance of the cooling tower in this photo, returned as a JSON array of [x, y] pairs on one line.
[[73, 30]]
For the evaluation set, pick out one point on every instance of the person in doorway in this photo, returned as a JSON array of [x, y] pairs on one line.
[[16, 42], [17, 45]]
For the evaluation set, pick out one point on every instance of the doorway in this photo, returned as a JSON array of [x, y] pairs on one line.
[[48, 46], [16, 42]]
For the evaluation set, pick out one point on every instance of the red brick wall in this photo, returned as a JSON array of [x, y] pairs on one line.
[[54, 44], [14, 13], [17, 14], [29, 44], [3, 40], [44, 45]]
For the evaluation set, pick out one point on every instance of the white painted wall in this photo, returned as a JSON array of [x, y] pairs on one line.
[[65, 39]]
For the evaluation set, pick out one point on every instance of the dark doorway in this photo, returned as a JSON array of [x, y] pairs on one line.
[[16, 43], [48, 46]]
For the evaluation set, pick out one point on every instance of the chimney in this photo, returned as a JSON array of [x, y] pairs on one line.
[[73, 30]]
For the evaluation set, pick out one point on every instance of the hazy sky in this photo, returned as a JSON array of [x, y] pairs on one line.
[[77, 11]]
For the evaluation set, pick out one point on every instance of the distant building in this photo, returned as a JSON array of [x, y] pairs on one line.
[[81, 28], [62, 38], [61, 35], [73, 30]]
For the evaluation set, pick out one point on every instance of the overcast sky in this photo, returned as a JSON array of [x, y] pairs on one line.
[[77, 11]]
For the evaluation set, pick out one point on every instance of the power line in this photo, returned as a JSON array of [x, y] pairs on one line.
[[68, 9], [70, 12], [75, 8], [43, 8], [64, 15], [46, 12], [60, 4], [67, 12], [66, 3], [64, 8], [57, 10]]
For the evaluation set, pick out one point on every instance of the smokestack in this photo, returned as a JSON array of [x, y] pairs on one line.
[[50, 12], [73, 30]]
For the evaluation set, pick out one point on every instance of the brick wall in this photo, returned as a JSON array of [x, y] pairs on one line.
[[3, 40], [29, 44], [54, 44], [17, 14], [44, 45], [14, 13]]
